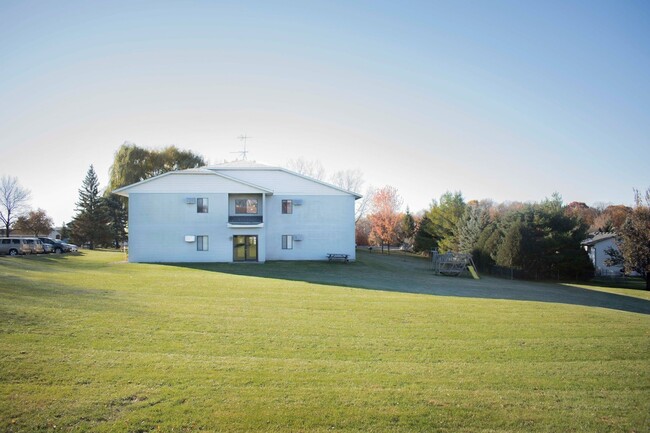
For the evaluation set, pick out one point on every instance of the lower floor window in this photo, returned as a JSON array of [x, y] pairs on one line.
[[201, 243], [287, 242]]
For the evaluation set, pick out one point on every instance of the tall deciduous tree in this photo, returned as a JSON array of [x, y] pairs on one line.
[[611, 219], [313, 169], [91, 224], [35, 222], [635, 237], [580, 210], [362, 232], [350, 180], [132, 164], [13, 201], [385, 215], [361, 205]]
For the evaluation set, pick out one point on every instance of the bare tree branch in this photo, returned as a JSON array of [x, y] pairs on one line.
[[363, 204], [13, 201], [350, 180], [313, 168]]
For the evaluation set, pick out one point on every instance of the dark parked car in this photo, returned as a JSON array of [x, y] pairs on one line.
[[57, 247]]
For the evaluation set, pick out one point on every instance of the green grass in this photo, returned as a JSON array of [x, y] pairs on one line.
[[634, 287], [90, 343]]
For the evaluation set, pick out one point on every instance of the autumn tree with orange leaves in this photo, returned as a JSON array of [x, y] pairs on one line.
[[385, 216]]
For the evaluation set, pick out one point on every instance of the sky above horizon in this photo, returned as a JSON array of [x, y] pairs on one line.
[[506, 100]]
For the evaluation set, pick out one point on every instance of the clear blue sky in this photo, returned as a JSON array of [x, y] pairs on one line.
[[509, 100]]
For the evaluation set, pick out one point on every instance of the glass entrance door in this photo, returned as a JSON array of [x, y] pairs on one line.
[[244, 248]]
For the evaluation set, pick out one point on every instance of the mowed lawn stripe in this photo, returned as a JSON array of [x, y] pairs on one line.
[[89, 343]]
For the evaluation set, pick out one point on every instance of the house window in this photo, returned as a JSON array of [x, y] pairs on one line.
[[287, 242], [246, 206], [202, 243], [202, 205], [287, 206]]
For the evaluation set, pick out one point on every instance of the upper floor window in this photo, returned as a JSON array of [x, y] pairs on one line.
[[202, 205], [287, 206], [246, 206]]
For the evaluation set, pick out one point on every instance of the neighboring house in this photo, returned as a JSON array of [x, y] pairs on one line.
[[55, 233], [238, 212], [596, 245]]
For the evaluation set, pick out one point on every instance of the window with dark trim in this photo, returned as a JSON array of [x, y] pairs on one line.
[[287, 242], [202, 243], [246, 206], [287, 206], [202, 205]]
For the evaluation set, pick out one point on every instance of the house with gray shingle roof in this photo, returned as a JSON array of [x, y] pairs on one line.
[[596, 246]]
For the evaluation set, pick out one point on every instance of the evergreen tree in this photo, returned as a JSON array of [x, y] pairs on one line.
[[423, 242], [487, 246], [444, 218], [65, 231], [91, 224], [470, 227], [117, 218], [509, 253], [407, 227], [543, 241]]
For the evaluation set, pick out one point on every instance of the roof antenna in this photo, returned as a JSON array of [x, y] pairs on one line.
[[243, 153]]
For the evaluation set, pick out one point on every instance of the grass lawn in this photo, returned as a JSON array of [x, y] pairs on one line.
[[634, 288], [91, 343]]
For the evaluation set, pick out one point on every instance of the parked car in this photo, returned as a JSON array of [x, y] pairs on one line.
[[35, 245], [55, 245], [68, 247], [14, 246]]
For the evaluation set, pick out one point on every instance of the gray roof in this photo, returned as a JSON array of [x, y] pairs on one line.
[[594, 238]]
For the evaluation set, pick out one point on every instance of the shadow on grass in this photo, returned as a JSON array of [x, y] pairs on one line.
[[633, 283], [412, 274]]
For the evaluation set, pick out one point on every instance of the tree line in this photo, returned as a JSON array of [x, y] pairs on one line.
[[537, 240], [533, 240]]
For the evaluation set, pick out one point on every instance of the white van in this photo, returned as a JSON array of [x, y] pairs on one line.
[[14, 246], [35, 245]]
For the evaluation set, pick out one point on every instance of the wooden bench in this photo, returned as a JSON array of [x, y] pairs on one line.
[[336, 256]]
